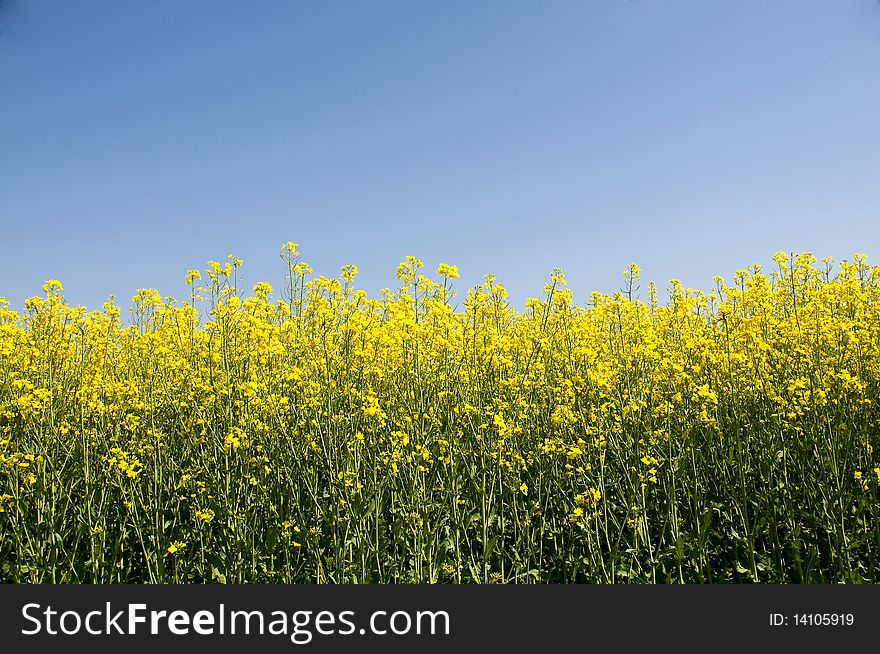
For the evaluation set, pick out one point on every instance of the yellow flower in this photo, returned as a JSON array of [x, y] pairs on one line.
[[176, 547], [446, 270], [52, 286]]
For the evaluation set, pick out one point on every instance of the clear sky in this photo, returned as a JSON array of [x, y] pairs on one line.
[[140, 138]]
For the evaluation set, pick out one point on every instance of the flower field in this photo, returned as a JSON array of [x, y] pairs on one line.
[[312, 434]]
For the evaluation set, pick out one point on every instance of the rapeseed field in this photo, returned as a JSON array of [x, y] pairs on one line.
[[313, 434]]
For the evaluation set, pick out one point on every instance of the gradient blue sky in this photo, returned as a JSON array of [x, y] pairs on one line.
[[140, 138]]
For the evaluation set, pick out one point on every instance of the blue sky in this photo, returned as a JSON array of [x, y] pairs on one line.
[[140, 138]]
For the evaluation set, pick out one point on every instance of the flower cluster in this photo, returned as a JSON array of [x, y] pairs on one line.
[[318, 434]]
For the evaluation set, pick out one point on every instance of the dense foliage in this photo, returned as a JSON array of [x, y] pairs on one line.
[[326, 436]]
